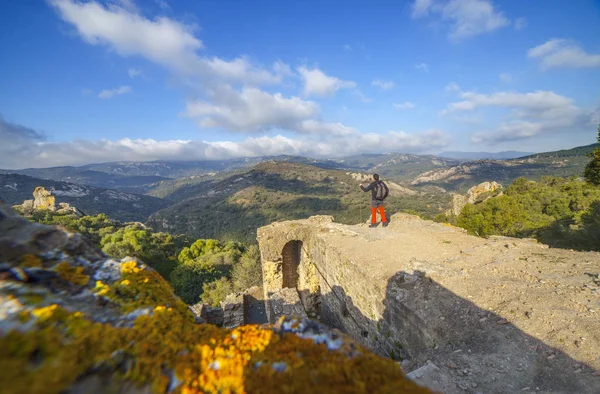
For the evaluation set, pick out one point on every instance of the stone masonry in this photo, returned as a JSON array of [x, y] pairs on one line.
[[285, 302], [493, 315]]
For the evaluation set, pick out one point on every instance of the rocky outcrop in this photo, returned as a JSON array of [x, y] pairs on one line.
[[44, 200], [476, 194], [74, 321]]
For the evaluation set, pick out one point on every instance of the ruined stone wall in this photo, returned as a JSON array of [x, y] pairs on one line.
[[511, 313], [332, 288]]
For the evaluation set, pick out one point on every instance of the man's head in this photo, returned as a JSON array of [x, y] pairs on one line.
[[376, 177]]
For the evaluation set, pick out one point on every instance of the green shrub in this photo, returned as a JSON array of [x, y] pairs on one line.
[[248, 271], [158, 250], [215, 292], [205, 261], [592, 169], [558, 211]]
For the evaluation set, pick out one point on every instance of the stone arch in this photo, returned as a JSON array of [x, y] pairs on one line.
[[291, 258]]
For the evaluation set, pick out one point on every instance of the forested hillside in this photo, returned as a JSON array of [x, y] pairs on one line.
[[563, 163], [14, 189], [234, 207]]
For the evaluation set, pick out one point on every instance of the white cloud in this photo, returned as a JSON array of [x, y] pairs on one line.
[[358, 93], [15, 141], [22, 147], [164, 41], [422, 66], [541, 103], [109, 93], [173, 45], [226, 94], [347, 48], [253, 110], [511, 131], [464, 18], [134, 72], [520, 23], [404, 105], [238, 70], [505, 77], [421, 8], [452, 87], [282, 69], [128, 5], [317, 83], [316, 127], [250, 110], [563, 53], [530, 114], [384, 85], [163, 4]]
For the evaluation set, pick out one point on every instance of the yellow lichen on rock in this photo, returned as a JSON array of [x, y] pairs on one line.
[[164, 349], [31, 261], [72, 274]]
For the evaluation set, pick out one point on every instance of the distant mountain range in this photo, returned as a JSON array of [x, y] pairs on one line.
[[563, 163], [230, 198], [141, 177], [511, 154]]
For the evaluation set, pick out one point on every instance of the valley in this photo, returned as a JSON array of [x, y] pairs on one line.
[[229, 199]]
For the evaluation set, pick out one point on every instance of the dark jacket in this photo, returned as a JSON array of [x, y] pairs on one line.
[[371, 187]]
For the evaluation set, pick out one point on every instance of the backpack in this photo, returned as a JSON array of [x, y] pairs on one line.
[[380, 192]]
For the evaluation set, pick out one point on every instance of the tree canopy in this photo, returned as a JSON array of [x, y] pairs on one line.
[[592, 169]]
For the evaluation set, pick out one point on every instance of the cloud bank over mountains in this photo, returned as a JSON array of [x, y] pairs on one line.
[[22, 147]]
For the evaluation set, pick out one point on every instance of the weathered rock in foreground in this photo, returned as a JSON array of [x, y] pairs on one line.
[[74, 321]]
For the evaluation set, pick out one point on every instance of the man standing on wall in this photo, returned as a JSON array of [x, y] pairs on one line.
[[379, 192]]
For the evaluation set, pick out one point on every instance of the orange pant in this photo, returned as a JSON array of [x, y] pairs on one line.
[[374, 214]]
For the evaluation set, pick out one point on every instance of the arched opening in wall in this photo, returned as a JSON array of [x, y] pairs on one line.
[[291, 255], [300, 273]]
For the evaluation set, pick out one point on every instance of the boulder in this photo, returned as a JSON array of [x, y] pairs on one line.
[[476, 194], [43, 199]]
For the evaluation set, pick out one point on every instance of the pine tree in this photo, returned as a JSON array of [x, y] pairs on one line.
[[592, 169]]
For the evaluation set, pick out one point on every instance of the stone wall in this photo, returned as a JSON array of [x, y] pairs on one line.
[[233, 310], [418, 291], [285, 302]]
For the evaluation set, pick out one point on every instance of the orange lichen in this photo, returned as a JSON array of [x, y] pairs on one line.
[[72, 274], [222, 363]]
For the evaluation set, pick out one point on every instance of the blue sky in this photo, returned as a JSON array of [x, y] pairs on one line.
[[94, 81]]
